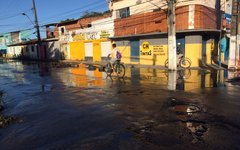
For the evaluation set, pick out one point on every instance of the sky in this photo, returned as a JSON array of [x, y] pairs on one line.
[[48, 11]]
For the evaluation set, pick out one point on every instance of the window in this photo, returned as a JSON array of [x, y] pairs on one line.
[[62, 30], [32, 48], [123, 13], [51, 30], [52, 34]]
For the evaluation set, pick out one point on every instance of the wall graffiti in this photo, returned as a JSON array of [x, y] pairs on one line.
[[91, 35]]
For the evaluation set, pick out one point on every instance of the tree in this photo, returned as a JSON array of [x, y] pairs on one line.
[[67, 20], [88, 14]]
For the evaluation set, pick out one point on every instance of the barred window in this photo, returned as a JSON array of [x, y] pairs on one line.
[[32, 48], [123, 13]]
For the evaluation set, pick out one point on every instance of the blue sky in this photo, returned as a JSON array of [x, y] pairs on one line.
[[48, 11]]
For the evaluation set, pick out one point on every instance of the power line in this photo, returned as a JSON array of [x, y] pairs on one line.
[[9, 16], [73, 12], [70, 11]]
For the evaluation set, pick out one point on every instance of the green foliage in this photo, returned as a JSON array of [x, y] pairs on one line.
[[88, 14], [67, 20]]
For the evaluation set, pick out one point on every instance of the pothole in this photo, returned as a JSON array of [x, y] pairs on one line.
[[185, 113], [198, 129], [186, 109]]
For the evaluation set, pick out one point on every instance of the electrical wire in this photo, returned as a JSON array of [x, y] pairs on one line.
[[72, 13]]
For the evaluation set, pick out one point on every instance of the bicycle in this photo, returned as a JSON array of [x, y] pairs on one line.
[[183, 62], [118, 68]]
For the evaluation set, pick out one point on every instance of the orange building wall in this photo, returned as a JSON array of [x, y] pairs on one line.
[[204, 18]]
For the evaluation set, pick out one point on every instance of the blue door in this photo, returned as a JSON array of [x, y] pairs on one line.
[[182, 41], [226, 54], [134, 45]]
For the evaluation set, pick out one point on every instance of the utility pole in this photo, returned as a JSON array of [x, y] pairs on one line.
[[36, 21], [172, 56], [234, 45], [37, 27], [238, 34]]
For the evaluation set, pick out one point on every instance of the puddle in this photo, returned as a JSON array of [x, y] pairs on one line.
[[183, 107], [188, 109], [184, 112]]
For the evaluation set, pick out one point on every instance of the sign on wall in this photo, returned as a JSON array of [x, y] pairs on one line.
[[149, 50], [145, 50], [104, 34], [158, 50]]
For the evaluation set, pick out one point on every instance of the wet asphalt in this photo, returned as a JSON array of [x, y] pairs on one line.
[[46, 106]]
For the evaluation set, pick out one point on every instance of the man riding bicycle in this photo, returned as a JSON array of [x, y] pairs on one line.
[[179, 51], [114, 64], [115, 54]]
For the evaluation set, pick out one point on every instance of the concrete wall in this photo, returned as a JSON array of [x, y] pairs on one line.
[[124, 47], [14, 51], [92, 43], [156, 53], [77, 50], [54, 51], [193, 49], [187, 18], [32, 51], [141, 6]]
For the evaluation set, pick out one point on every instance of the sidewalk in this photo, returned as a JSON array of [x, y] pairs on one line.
[[76, 63], [128, 65]]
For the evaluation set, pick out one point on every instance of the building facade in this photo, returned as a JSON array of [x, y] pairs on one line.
[[92, 44], [5, 39], [141, 30], [9, 43], [77, 32]]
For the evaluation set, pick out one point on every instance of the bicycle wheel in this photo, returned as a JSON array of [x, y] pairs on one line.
[[185, 63], [166, 63], [120, 70], [108, 69]]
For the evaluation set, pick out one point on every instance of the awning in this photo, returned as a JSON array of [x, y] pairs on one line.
[[164, 34]]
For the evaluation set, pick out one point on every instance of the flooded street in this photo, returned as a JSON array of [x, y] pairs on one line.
[[44, 106]]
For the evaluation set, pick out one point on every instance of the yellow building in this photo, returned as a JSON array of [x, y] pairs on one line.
[[92, 44], [141, 30]]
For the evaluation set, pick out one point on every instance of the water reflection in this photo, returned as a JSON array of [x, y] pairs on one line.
[[1, 101], [185, 79], [83, 77], [43, 69], [188, 80], [172, 80]]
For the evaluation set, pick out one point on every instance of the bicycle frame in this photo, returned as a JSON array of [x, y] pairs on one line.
[[116, 67]]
